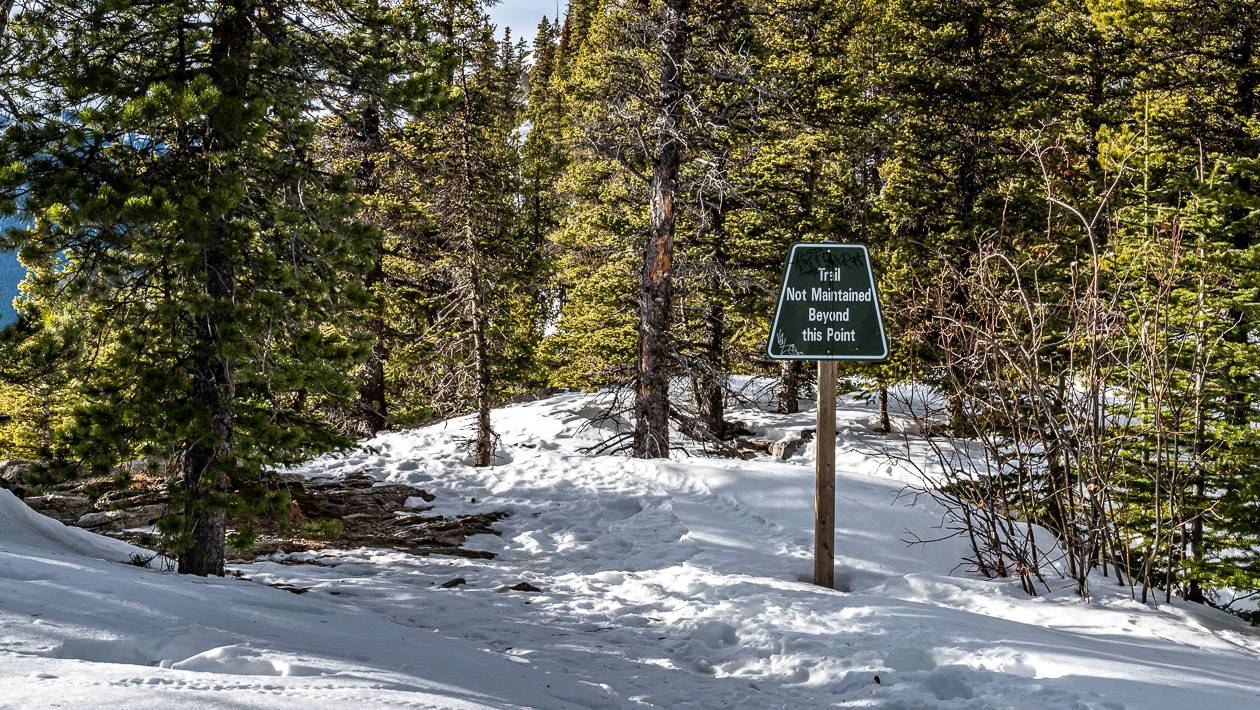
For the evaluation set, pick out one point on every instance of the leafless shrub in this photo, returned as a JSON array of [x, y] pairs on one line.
[[1065, 390]]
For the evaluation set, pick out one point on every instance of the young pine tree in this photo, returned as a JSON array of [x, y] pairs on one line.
[[462, 273]]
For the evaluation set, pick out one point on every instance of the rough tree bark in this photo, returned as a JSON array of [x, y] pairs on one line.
[[651, 407], [207, 459], [789, 387]]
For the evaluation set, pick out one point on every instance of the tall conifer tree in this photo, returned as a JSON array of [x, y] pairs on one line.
[[165, 156]]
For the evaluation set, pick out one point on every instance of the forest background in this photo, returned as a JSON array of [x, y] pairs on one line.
[[257, 231]]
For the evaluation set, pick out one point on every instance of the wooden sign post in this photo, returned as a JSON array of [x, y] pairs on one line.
[[828, 311], [825, 478]]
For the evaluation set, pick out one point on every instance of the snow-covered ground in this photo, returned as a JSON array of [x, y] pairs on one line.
[[664, 584]]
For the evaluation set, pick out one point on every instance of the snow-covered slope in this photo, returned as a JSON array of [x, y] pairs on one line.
[[22, 530], [680, 583], [78, 629], [666, 584]]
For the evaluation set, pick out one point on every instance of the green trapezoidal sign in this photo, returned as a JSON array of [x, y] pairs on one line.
[[828, 308]]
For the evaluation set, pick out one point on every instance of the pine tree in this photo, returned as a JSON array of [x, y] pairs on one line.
[[394, 83], [598, 193], [1193, 112], [656, 283], [177, 208], [818, 146], [462, 286], [543, 155], [726, 93]]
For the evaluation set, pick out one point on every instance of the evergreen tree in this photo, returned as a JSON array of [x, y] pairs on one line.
[[164, 155], [656, 282], [543, 155], [389, 91], [952, 82], [1193, 115], [818, 147], [462, 291], [603, 81]]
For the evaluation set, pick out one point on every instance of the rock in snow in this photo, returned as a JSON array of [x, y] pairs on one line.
[[366, 513], [667, 584]]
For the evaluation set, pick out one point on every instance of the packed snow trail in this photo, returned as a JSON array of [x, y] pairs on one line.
[[664, 584]]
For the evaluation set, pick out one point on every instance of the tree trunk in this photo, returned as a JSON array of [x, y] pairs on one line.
[[6, 8], [1194, 588], [790, 387], [208, 457], [484, 453], [885, 423], [483, 445], [651, 407], [373, 406], [711, 394], [711, 376]]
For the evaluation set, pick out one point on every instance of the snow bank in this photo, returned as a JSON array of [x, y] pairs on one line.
[[80, 630], [21, 527]]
